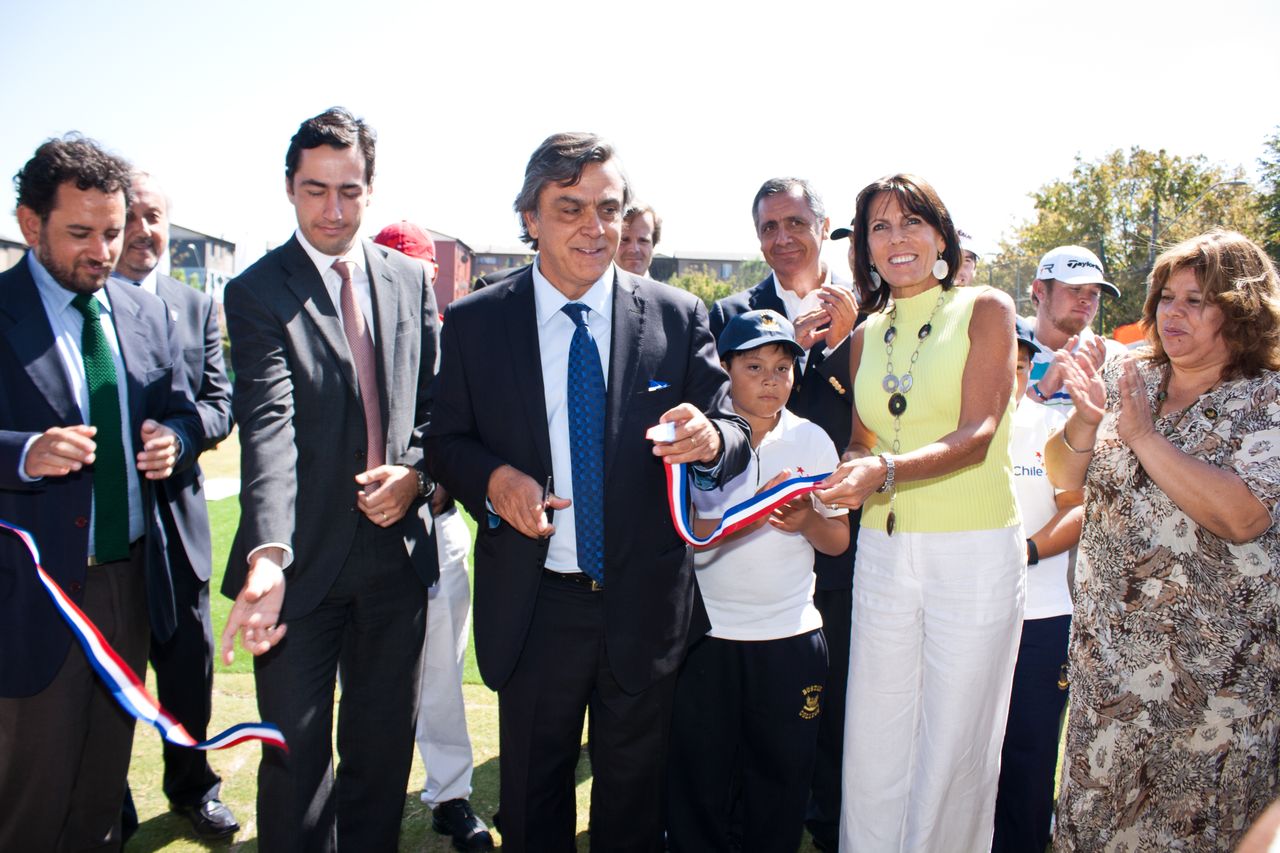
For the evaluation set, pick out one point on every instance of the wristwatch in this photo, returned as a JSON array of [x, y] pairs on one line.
[[425, 486]]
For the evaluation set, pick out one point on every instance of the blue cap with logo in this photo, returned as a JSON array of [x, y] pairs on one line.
[[756, 329], [1027, 337]]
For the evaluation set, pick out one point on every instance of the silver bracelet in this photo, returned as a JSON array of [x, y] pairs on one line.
[[887, 485], [1068, 443]]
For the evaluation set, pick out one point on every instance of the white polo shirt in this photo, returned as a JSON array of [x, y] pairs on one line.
[[760, 586], [1047, 593]]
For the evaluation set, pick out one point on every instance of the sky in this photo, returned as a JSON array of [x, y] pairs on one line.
[[703, 101]]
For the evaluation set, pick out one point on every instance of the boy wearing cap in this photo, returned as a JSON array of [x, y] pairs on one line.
[[1024, 799], [749, 696]]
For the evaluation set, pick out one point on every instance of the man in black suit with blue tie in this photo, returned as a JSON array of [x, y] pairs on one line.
[[584, 593], [184, 664], [791, 224], [93, 414]]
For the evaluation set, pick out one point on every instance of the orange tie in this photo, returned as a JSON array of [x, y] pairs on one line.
[[361, 343]]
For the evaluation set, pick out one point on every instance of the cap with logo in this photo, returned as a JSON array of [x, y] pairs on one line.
[[756, 329], [1027, 337], [1074, 265]]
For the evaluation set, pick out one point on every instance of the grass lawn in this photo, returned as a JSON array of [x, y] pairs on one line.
[[234, 702]]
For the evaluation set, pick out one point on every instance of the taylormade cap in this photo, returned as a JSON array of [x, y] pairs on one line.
[[1074, 265]]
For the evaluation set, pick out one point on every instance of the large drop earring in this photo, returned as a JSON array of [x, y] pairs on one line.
[[940, 268], [875, 279]]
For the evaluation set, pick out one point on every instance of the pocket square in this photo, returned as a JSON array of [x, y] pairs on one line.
[[655, 385]]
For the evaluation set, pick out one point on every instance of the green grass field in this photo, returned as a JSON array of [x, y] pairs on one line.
[[233, 702]]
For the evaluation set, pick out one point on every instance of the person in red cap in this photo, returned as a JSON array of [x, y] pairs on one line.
[[404, 236], [442, 717]]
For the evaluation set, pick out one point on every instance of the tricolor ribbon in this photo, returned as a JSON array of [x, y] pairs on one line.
[[739, 515], [124, 683]]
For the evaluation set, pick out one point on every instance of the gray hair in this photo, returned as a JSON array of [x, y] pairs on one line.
[[560, 160], [787, 186]]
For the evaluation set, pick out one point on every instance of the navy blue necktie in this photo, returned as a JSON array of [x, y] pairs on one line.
[[585, 394]]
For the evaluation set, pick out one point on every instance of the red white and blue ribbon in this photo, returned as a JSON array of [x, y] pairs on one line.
[[124, 683], [739, 515]]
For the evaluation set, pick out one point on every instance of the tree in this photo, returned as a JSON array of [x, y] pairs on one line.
[[703, 285], [749, 274], [1269, 197], [1126, 207]]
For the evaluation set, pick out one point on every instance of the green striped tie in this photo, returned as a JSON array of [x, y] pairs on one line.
[[110, 494]]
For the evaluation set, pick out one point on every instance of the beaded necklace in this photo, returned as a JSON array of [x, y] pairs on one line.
[[897, 386]]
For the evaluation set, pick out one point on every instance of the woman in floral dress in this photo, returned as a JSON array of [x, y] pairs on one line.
[[1173, 741]]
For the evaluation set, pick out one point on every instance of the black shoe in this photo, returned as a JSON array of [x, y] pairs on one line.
[[211, 819], [457, 819]]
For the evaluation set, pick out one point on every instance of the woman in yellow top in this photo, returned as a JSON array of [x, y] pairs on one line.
[[938, 583]]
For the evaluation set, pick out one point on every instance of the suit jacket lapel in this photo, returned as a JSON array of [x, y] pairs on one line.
[[304, 280], [624, 361], [133, 346], [520, 322], [31, 337], [765, 295], [386, 311]]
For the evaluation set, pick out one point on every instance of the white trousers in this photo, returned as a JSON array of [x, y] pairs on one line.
[[442, 717], [936, 621]]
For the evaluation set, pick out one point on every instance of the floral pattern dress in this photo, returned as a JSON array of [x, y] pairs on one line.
[[1173, 741]]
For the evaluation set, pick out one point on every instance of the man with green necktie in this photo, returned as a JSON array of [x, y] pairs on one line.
[[92, 413]]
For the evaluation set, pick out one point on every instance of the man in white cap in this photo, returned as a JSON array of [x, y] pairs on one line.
[[1067, 290], [968, 259]]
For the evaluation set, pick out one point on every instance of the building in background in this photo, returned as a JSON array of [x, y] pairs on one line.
[[204, 262], [496, 258], [11, 251], [720, 265], [455, 259]]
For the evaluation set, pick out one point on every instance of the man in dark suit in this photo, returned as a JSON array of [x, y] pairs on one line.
[[496, 277], [593, 611], [93, 413], [184, 664], [792, 224], [333, 340]]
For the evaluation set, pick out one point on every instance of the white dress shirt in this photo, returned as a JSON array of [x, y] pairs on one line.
[[333, 281], [555, 332], [793, 306], [67, 324], [148, 284]]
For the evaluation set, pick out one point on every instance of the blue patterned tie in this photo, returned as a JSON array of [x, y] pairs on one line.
[[585, 392]]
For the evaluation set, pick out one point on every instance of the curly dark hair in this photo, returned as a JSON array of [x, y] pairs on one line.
[[917, 196], [337, 128], [71, 158], [1235, 275], [561, 160]]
